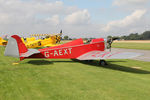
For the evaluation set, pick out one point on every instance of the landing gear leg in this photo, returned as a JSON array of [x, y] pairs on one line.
[[102, 63]]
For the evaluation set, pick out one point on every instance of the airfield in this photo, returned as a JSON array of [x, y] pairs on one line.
[[145, 54], [63, 79]]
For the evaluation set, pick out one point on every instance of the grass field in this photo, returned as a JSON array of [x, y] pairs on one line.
[[73, 80], [132, 45], [132, 41]]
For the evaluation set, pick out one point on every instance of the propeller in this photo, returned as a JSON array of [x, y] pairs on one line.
[[109, 42], [61, 31], [58, 37]]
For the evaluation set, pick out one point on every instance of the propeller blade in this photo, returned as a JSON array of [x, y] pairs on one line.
[[60, 32], [109, 42]]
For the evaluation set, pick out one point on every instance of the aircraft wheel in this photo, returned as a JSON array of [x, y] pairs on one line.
[[103, 63]]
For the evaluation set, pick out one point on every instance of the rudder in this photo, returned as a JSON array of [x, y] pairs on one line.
[[15, 47]]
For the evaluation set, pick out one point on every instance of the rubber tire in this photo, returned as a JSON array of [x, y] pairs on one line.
[[102, 63]]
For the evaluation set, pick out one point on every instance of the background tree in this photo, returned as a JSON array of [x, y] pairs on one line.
[[109, 36], [135, 36], [66, 37], [146, 35]]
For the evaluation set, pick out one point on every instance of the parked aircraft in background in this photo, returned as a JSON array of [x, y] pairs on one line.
[[3, 42], [48, 41]]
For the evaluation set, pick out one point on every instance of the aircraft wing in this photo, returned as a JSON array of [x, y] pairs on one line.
[[93, 55], [51, 45]]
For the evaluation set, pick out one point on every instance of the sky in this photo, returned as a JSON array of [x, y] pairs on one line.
[[77, 18]]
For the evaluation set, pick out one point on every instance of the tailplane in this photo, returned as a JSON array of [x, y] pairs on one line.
[[15, 47]]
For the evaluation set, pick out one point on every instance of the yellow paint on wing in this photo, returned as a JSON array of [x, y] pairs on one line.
[[3, 42]]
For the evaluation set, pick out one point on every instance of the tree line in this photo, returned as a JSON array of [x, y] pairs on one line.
[[134, 36]]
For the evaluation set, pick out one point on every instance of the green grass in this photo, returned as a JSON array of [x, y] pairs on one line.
[[141, 46], [72, 80]]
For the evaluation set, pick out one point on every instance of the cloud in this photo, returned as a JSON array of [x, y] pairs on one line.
[[42, 16], [47, 16], [32, 16], [54, 20], [125, 23], [78, 18], [129, 2]]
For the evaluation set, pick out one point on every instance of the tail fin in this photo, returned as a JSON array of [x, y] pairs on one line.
[[15, 47]]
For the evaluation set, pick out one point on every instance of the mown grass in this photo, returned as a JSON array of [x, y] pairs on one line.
[[141, 46], [61, 79]]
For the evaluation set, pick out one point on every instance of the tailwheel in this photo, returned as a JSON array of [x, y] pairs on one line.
[[103, 63]]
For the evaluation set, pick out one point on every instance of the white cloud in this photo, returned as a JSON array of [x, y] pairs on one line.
[[129, 2], [32, 16], [54, 20], [125, 23], [78, 18], [48, 16]]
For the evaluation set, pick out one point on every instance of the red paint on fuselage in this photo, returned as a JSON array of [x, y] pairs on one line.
[[69, 52], [21, 46]]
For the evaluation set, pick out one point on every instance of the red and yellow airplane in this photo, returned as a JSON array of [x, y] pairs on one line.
[[76, 49]]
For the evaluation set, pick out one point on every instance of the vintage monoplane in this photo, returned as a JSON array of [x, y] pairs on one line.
[[76, 49]]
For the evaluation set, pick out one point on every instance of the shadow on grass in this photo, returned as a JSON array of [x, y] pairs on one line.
[[94, 63], [46, 62], [114, 67], [40, 62], [117, 61], [64, 61]]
